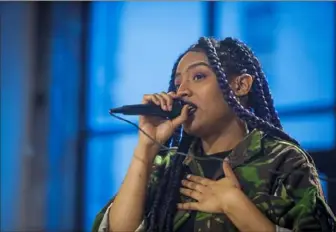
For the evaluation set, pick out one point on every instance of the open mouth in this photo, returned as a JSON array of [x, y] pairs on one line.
[[193, 109], [184, 102]]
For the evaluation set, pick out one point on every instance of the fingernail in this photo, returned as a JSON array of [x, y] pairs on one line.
[[188, 176]]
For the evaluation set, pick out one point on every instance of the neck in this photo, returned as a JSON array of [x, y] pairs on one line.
[[225, 139]]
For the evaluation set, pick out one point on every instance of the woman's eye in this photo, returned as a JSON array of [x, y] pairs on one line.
[[198, 76]]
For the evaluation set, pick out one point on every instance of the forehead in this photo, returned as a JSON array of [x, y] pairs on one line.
[[190, 58]]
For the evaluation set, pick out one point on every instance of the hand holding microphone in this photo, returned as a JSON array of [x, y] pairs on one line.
[[160, 115]]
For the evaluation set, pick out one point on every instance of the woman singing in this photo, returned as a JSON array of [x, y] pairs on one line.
[[242, 171]]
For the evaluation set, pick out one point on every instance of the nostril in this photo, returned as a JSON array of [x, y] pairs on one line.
[[185, 93]]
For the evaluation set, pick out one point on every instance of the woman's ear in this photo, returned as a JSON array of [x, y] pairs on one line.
[[241, 85]]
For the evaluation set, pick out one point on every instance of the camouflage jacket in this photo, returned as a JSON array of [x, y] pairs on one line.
[[278, 177]]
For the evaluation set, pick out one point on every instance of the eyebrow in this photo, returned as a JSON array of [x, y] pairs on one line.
[[193, 66]]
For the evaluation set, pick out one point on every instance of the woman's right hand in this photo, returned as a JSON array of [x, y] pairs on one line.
[[157, 128]]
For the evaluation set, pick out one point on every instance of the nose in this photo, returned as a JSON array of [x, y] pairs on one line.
[[183, 91]]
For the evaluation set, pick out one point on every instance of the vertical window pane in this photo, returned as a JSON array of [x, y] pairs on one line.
[[133, 48], [107, 162], [314, 132], [305, 54], [294, 42], [229, 19]]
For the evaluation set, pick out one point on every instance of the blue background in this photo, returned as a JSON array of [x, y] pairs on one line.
[[62, 153]]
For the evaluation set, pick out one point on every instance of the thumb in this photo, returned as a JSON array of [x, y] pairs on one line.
[[182, 117], [230, 174]]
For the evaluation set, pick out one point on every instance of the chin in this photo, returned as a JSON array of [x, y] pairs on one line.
[[192, 128]]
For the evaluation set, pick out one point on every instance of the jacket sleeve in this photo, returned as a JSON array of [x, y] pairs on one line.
[[296, 200], [99, 217]]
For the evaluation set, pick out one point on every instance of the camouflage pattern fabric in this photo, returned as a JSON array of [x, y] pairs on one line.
[[279, 178]]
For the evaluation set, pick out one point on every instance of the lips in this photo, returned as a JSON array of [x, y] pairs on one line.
[[193, 107], [190, 103]]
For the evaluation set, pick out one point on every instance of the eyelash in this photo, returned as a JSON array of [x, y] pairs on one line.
[[199, 74], [196, 75]]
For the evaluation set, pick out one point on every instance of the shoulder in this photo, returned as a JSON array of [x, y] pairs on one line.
[[292, 164], [286, 160], [284, 152]]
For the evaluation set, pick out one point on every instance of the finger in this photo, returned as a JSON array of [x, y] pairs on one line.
[[173, 95], [148, 98], [188, 206], [169, 100], [200, 180], [191, 193], [230, 174], [162, 101], [194, 186], [176, 122]]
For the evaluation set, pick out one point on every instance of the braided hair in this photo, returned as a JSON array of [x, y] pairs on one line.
[[229, 57]]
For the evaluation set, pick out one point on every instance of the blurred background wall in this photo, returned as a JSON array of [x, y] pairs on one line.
[[64, 64]]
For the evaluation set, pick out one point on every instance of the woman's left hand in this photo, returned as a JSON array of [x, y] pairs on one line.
[[211, 196]]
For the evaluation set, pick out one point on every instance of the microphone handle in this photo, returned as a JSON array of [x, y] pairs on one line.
[[149, 110]]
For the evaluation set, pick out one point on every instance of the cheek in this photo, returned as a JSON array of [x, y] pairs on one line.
[[217, 109], [211, 102], [214, 102]]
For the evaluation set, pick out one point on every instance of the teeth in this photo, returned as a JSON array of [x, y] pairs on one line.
[[192, 104], [192, 110], [190, 107]]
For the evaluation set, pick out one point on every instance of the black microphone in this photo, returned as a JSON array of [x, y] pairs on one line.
[[154, 110]]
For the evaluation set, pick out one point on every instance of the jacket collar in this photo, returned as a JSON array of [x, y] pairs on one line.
[[249, 147]]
